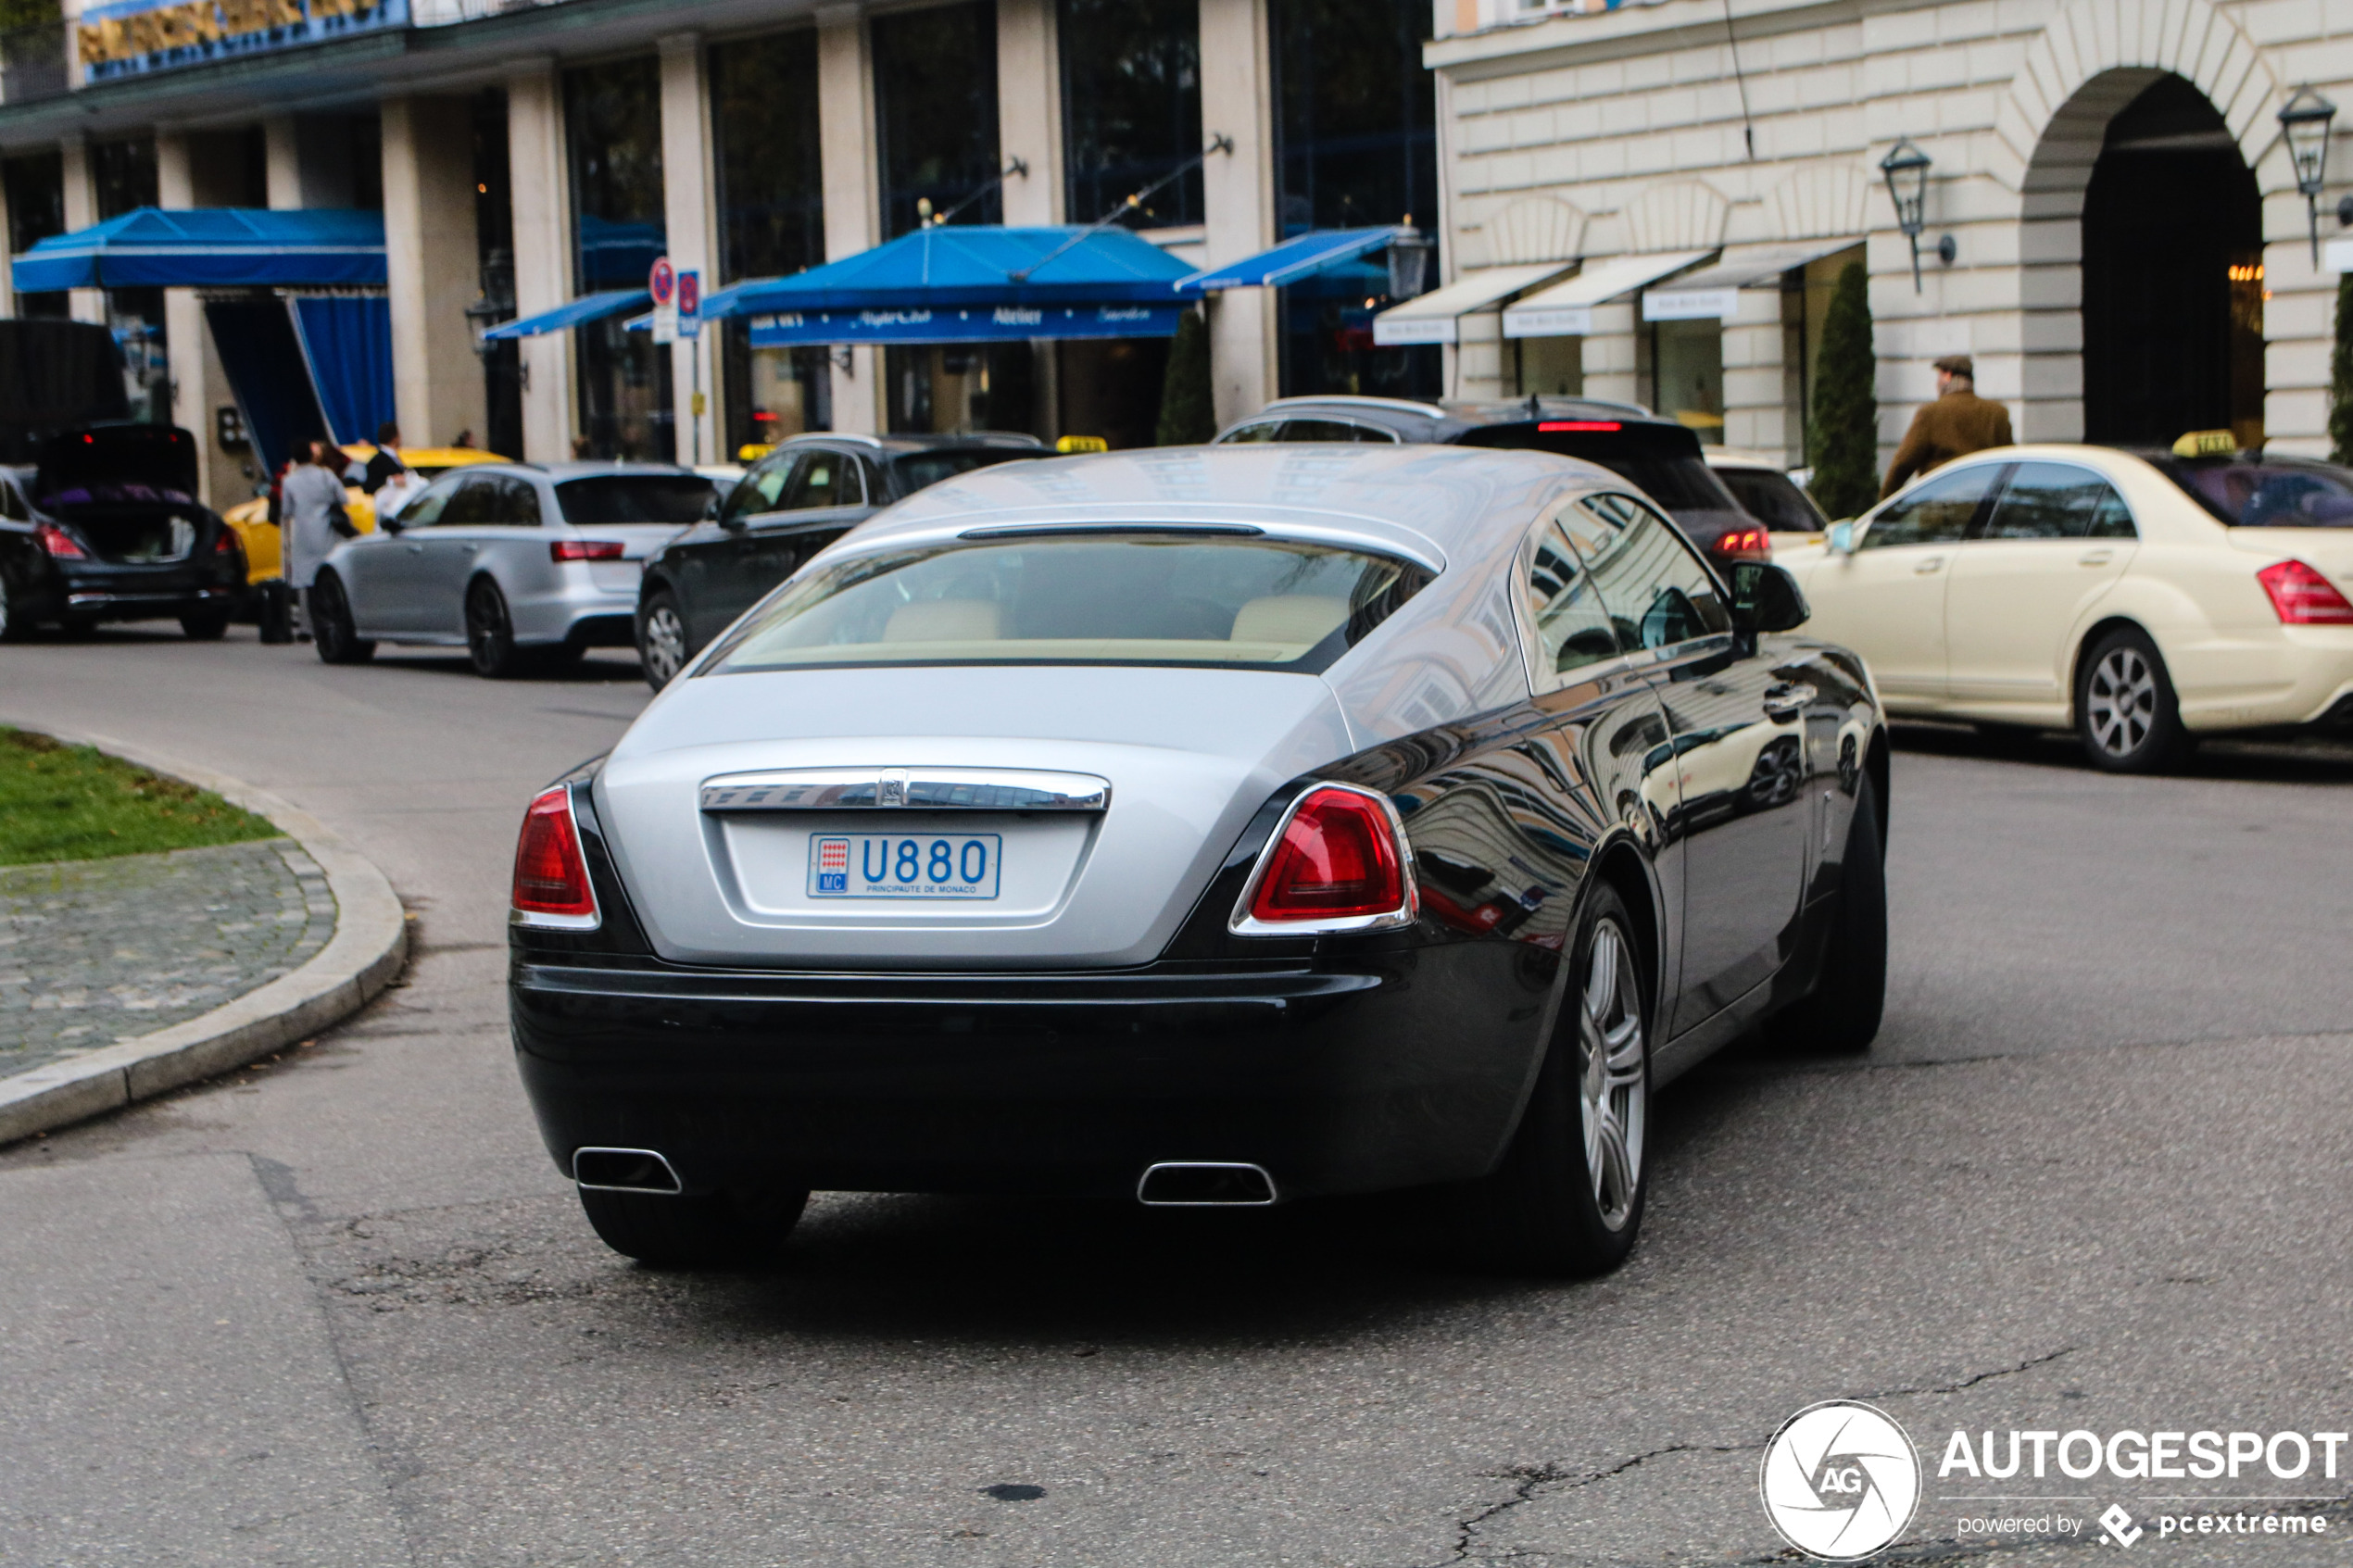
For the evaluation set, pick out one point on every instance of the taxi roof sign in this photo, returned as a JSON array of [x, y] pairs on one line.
[[2207, 443]]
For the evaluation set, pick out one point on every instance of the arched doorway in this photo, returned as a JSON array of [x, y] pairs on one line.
[[2173, 276]]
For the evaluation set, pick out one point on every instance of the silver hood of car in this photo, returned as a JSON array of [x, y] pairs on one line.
[[1188, 756]]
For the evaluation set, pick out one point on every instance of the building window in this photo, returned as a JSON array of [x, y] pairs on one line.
[[1355, 145], [935, 112], [612, 121], [1550, 367], [122, 178], [1682, 373], [36, 210], [1131, 107], [495, 276], [772, 224]]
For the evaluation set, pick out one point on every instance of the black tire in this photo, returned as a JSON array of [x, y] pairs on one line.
[[1542, 1210], [722, 1230], [14, 628], [2125, 713], [332, 631], [662, 639], [490, 632], [1841, 1015], [204, 625]]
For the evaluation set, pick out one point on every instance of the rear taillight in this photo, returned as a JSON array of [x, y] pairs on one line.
[[1550, 425], [61, 544], [225, 544], [551, 875], [1338, 863], [585, 549], [2304, 597], [1745, 544]]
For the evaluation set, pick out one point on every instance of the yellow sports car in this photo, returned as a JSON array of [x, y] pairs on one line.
[[259, 535], [2142, 598]]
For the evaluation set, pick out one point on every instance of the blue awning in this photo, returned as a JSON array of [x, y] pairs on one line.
[[972, 267], [618, 255], [211, 247], [588, 308], [347, 341], [1295, 258]]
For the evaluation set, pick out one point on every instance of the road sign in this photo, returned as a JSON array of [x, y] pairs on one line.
[[689, 300], [662, 283]]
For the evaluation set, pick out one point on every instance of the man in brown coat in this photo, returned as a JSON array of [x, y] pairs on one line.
[[1957, 423]]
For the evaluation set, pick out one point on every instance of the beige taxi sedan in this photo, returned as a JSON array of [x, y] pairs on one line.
[[2142, 599]]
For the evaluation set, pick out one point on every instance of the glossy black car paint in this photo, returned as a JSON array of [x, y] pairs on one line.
[[722, 566], [109, 489], [1661, 457], [1338, 1064]]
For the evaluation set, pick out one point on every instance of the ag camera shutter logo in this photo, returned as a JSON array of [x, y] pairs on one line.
[[1840, 1480]]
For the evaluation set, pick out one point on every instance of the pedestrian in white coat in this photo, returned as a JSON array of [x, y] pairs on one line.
[[312, 501]]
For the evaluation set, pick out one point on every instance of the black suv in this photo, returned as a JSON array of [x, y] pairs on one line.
[[794, 502], [1662, 458]]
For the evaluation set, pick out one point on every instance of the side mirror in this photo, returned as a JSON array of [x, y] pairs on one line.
[[387, 525], [1842, 538], [1767, 598]]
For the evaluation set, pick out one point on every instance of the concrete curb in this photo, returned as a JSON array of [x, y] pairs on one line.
[[369, 945]]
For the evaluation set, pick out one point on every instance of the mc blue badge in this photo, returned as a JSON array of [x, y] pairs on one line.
[[913, 866]]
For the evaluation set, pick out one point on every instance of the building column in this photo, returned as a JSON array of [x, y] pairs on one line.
[[81, 210], [432, 268], [1611, 369], [8, 259], [1238, 199], [199, 386], [848, 154], [690, 217], [1757, 383], [1029, 111], [543, 254]]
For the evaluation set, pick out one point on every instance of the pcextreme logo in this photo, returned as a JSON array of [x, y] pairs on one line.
[[1840, 1480]]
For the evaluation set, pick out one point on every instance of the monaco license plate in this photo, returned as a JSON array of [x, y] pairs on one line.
[[865, 865]]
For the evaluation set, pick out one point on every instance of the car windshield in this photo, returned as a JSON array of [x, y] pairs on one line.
[[634, 497], [2251, 492], [1773, 499], [1234, 601], [913, 472]]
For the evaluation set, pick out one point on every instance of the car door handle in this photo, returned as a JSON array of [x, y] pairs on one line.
[[416, 549], [1785, 702], [1934, 563], [2096, 558]]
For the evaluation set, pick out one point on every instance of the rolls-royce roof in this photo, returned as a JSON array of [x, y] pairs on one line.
[[1424, 501]]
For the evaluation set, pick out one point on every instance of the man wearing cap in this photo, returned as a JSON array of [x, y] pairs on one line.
[[1957, 423]]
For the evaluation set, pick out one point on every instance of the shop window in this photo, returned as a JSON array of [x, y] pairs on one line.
[[1813, 286], [771, 224], [770, 393], [613, 116], [1682, 374], [1355, 145], [1131, 107], [122, 176], [36, 211], [935, 112], [1553, 367], [495, 283], [962, 386]]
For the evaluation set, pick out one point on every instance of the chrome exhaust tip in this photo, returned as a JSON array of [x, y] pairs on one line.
[[624, 1169], [1204, 1183]]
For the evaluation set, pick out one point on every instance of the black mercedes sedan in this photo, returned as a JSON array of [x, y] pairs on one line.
[[1661, 457], [1205, 826], [110, 529], [795, 501]]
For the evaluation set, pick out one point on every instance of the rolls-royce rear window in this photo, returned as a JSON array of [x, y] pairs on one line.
[[1173, 598]]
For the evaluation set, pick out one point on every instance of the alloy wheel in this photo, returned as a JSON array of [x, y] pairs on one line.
[[2122, 692], [665, 644], [489, 641], [1612, 1066]]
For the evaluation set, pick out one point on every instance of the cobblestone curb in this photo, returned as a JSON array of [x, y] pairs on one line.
[[369, 945]]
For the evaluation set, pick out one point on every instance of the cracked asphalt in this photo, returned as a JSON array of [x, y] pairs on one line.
[[340, 1310]]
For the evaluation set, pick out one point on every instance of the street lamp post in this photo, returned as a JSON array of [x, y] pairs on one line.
[[1907, 170], [2305, 123]]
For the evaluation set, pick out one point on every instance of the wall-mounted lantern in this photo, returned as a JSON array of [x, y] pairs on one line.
[[2304, 122]]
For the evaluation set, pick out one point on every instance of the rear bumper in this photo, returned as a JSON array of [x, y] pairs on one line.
[[85, 598], [1383, 1074], [578, 610]]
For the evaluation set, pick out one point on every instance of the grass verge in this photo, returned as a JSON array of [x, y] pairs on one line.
[[63, 802]]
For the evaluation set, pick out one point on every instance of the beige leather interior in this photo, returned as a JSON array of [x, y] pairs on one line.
[[1289, 617], [943, 621]]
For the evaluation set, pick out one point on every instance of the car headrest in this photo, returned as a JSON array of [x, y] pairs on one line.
[[1302, 618]]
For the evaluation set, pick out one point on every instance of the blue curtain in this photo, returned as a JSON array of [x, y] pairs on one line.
[[349, 344], [257, 349]]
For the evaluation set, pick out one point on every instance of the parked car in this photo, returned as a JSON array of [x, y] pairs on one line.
[[520, 565], [110, 529], [2143, 598], [259, 537], [1663, 458], [1220, 830], [796, 498], [1767, 493]]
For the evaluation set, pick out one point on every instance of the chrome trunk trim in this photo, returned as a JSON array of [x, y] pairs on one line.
[[914, 789]]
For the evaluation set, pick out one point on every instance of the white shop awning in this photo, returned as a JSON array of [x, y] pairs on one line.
[[1567, 309], [1714, 290], [1432, 317]]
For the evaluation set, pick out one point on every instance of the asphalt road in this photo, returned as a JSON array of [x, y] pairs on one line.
[[342, 1311]]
